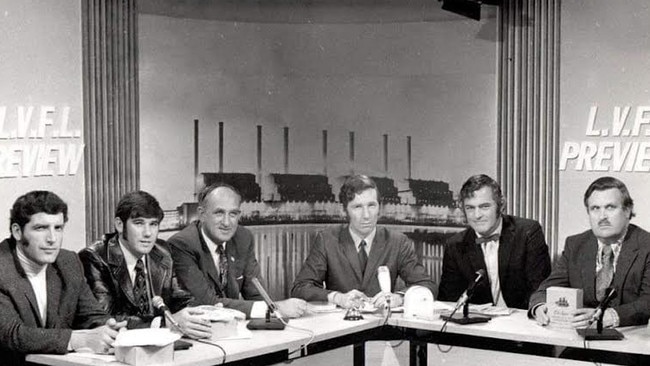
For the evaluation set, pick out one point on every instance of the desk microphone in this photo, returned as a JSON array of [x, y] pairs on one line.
[[159, 304], [268, 323], [480, 274], [610, 294], [383, 275]]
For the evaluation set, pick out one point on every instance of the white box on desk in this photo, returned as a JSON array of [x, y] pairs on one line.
[[146, 355], [561, 303]]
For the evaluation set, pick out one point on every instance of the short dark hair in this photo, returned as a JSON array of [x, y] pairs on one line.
[[476, 182], [353, 185], [138, 204], [205, 192], [35, 202], [605, 183]]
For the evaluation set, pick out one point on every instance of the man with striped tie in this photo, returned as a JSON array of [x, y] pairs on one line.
[[613, 254], [215, 258], [128, 268]]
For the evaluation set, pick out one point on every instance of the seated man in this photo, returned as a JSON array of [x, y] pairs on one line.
[[43, 294], [342, 265], [614, 253], [128, 268], [510, 249], [215, 257]]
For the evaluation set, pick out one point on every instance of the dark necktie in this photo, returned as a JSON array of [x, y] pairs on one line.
[[140, 289], [485, 239], [223, 268], [363, 256], [606, 273]]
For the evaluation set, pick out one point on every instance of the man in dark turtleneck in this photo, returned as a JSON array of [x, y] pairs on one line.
[[43, 293]]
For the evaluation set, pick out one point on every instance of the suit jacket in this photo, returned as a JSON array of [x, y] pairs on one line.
[[524, 263], [333, 261], [577, 268], [196, 270], [70, 305], [108, 277]]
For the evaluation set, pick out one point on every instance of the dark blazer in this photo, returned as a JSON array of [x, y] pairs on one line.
[[196, 270], [524, 263], [333, 260], [108, 277], [577, 268], [70, 305]]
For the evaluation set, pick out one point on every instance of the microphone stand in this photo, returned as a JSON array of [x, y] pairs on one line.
[[600, 333], [465, 319]]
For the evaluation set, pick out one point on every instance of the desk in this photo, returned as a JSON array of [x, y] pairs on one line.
[[265, 346], [331, 331]]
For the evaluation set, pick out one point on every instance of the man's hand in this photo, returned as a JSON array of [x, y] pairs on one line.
[[380, 300], [541, 315], [351, 299], [292, 308], [581, 317], [98, 340], [192, 323]]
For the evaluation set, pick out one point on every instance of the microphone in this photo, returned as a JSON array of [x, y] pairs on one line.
[[610, 294], [383, 275], [267, 299], [159, 304], [480, 274]]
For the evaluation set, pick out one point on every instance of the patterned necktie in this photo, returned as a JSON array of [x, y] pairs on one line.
[[363, 256], [606, 273], [140, 289], [223, 267]]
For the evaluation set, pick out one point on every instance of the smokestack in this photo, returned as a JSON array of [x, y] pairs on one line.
[[286, 150], [259, 150], [386, 153], [408, 155], [325, 152], [220, 147], [196, 157]]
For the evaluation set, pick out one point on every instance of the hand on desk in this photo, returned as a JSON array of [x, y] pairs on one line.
[[350, 299], [581, 317], [381, 298], [292, 308], [98, 340], [192, 323]]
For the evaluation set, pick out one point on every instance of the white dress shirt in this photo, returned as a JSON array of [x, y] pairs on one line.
[[491, 254]]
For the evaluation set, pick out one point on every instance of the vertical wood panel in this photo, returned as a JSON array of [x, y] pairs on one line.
[[111, 126], [528, 110]]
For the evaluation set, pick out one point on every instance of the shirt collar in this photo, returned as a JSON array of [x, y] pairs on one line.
[[30, 267], [130, 259], [496, 231], [368, 239], [616, 246], [212, 245]]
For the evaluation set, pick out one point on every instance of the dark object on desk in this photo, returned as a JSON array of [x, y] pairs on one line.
[[181, 345], [464, 319], [353, 314], [591, 334], [265, 324]]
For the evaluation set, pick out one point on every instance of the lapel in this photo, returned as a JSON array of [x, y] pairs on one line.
[[506, 246], [377, 252], [208, 262], [629, 252], [117, 265], [474, 254], [54, 288], [26, 288], [588, 254], [346, 246], [157, 269]]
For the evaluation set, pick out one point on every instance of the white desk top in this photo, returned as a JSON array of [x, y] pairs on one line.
[[325, 326], [517, 327]]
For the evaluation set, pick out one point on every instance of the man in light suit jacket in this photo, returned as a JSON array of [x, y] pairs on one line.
[[43, 294], [214, 258], [585, 256], [511, 250], [334, 270], [111, 269]]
